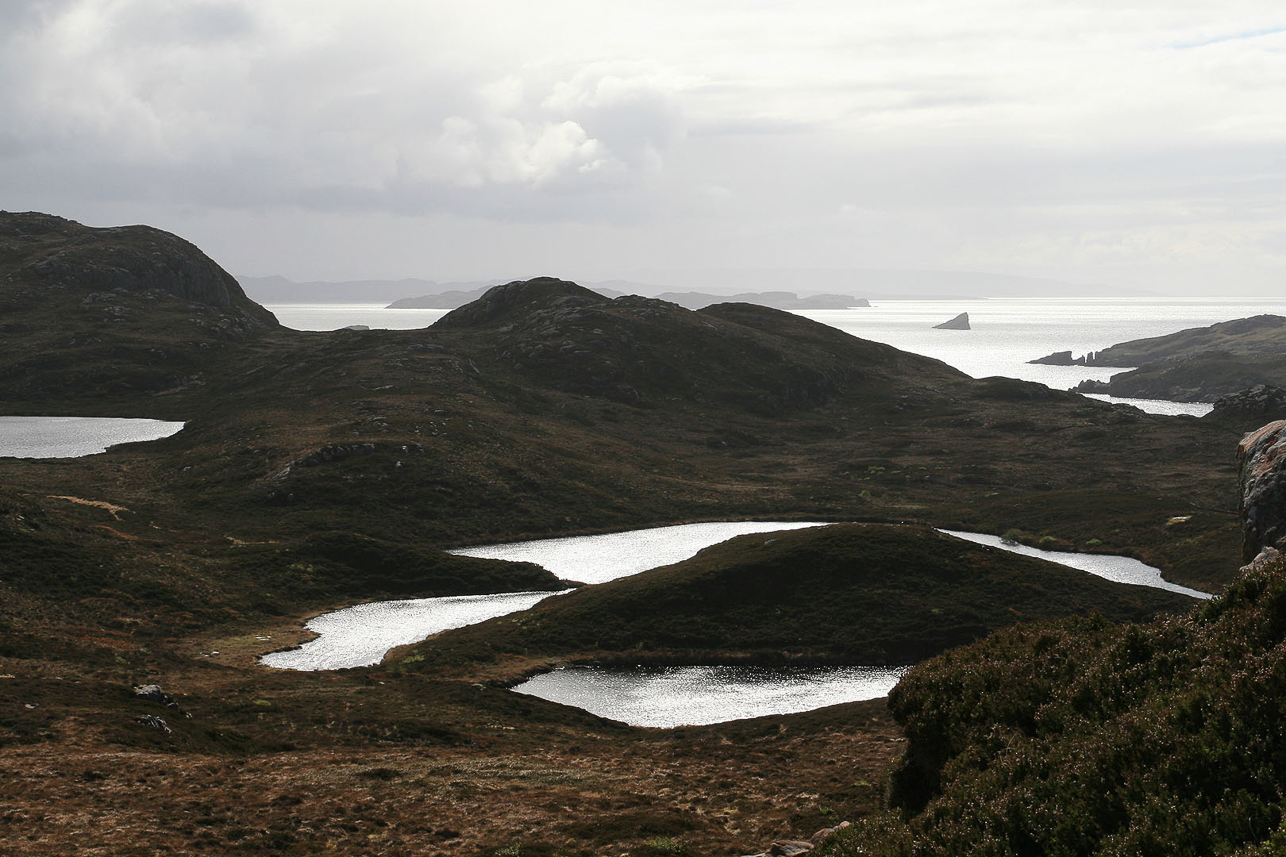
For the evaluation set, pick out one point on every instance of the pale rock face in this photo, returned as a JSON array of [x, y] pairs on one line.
[[1262, 457]]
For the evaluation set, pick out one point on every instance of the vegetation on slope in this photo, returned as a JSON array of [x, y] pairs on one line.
[[847, 593], [1082, 737]]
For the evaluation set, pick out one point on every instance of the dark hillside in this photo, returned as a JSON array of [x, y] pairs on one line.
[[641, 351], [1085, 738], [99, 317], [872, 594]]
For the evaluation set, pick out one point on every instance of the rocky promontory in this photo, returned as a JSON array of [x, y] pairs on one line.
[[1195, 365]]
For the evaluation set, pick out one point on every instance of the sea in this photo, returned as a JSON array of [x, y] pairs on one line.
[[1004, 334]]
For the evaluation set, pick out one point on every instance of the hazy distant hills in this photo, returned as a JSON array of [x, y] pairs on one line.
[[689, 300], [798, 288]]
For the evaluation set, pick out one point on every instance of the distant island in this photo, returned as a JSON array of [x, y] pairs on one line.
[[688, 300]]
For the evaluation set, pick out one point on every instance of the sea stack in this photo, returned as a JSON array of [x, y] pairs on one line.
[[960, 322]]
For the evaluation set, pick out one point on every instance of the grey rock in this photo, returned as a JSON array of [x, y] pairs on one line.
[[154, 693], [789, 847], [1262, 459], [1252, 406], [827, 832], [155, 722]]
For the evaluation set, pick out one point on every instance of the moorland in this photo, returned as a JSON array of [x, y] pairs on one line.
[[316, 470]]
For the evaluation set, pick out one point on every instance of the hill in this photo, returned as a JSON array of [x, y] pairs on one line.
[[871, 594], [91, 316]]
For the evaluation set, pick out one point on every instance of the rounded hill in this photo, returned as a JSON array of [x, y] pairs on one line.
[[850, 593]]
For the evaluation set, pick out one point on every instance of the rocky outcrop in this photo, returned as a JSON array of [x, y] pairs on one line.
[[1196, 365], [1262, 458], [801, 847], [960, 322], [1065, 358], [1251, 407]]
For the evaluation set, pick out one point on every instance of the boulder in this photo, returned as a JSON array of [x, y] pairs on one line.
[[1262, 459], [154, 693], [960, 322]]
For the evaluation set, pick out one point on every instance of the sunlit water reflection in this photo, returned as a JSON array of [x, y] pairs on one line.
[[72, 437], [695, 696], [361, 636], [663, 697], [1119, 569], [597, 559]]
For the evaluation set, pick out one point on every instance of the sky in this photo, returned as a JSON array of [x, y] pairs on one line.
[[1133, 144]]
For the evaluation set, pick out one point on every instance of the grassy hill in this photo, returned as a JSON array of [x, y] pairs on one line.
[[848, 593]]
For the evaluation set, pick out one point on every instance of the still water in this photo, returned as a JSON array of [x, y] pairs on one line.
[[598, 559], [336, 316], [697, 696], [361, 636], [72, 437], [1119, 569], [1007, 332]]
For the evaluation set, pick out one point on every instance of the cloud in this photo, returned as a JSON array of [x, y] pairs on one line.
[[289, 113], [715, 128], [1231, 37]]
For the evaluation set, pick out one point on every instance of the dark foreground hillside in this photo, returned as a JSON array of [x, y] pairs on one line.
[[1087, 738], [1082, 737]]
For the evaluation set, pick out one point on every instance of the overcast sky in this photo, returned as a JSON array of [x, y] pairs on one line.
[[1129, 143]]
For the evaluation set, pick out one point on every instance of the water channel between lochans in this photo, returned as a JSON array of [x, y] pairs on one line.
[[664, 696]]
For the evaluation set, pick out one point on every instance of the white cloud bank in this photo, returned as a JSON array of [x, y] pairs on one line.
[[1136, 143]]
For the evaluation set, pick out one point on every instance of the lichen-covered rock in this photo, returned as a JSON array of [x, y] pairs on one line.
[[1262, 458]]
